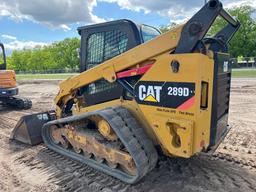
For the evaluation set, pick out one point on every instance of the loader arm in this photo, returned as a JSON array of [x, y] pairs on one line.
[[108, 69]]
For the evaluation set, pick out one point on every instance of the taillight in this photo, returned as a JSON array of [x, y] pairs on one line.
[[204, 95]]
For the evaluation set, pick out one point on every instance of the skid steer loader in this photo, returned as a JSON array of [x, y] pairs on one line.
[[141, 94], [8, 86]]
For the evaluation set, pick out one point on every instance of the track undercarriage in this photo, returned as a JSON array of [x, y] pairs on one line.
[[16, 102], [109, 140]]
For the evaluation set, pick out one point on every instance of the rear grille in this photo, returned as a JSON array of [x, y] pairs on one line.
[[223, 94], [220, 99]]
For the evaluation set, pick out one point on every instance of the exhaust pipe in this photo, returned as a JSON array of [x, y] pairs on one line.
[[28, 129]]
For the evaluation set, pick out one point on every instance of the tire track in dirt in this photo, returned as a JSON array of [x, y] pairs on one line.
[[238, 147], [8, 179], [208, 173], [20, 178], [68, 174]]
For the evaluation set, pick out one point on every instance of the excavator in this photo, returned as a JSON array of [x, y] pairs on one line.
[[8, 86], [141, 95]]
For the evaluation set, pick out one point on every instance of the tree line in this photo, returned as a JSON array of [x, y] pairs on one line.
[[58, 55], [64, 54]]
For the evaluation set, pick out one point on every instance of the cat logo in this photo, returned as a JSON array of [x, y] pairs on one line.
[[149, 93]]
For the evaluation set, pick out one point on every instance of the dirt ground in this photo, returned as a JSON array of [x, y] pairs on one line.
[[231, 168]]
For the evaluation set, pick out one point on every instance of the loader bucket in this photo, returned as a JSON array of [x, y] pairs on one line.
[[28, 128]]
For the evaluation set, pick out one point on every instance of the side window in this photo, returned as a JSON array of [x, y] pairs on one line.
[[101, 47], [115, 43], [149, 33], [95, 49]]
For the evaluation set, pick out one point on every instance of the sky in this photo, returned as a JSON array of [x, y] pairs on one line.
[[32, 23]]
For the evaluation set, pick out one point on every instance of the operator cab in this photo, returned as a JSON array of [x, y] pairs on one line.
[[2, 57], [101, 42]]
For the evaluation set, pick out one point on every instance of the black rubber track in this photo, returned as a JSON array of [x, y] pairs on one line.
[[18, 103], [130, 133]]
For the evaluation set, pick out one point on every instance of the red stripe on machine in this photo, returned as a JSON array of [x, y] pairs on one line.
[[187, 104], [134, 72]]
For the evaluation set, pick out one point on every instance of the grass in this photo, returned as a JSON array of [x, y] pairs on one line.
[[236, 73], [244, 73], [44, 76]]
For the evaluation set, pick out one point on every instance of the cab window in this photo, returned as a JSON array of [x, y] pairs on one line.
[[149, 33], [103, 46]]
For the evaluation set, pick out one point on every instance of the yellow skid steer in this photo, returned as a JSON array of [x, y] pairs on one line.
[[141, 93]]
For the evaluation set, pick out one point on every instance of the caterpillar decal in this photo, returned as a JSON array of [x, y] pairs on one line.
[[166, 94], [149, 93]]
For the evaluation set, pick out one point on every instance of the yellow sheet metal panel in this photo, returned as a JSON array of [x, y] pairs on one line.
[[167, 97]]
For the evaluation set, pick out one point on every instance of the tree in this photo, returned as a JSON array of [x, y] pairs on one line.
[[65, 53], [19, 60], [244, 41]]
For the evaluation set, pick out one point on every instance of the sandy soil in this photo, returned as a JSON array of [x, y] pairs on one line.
[[231, 168]]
